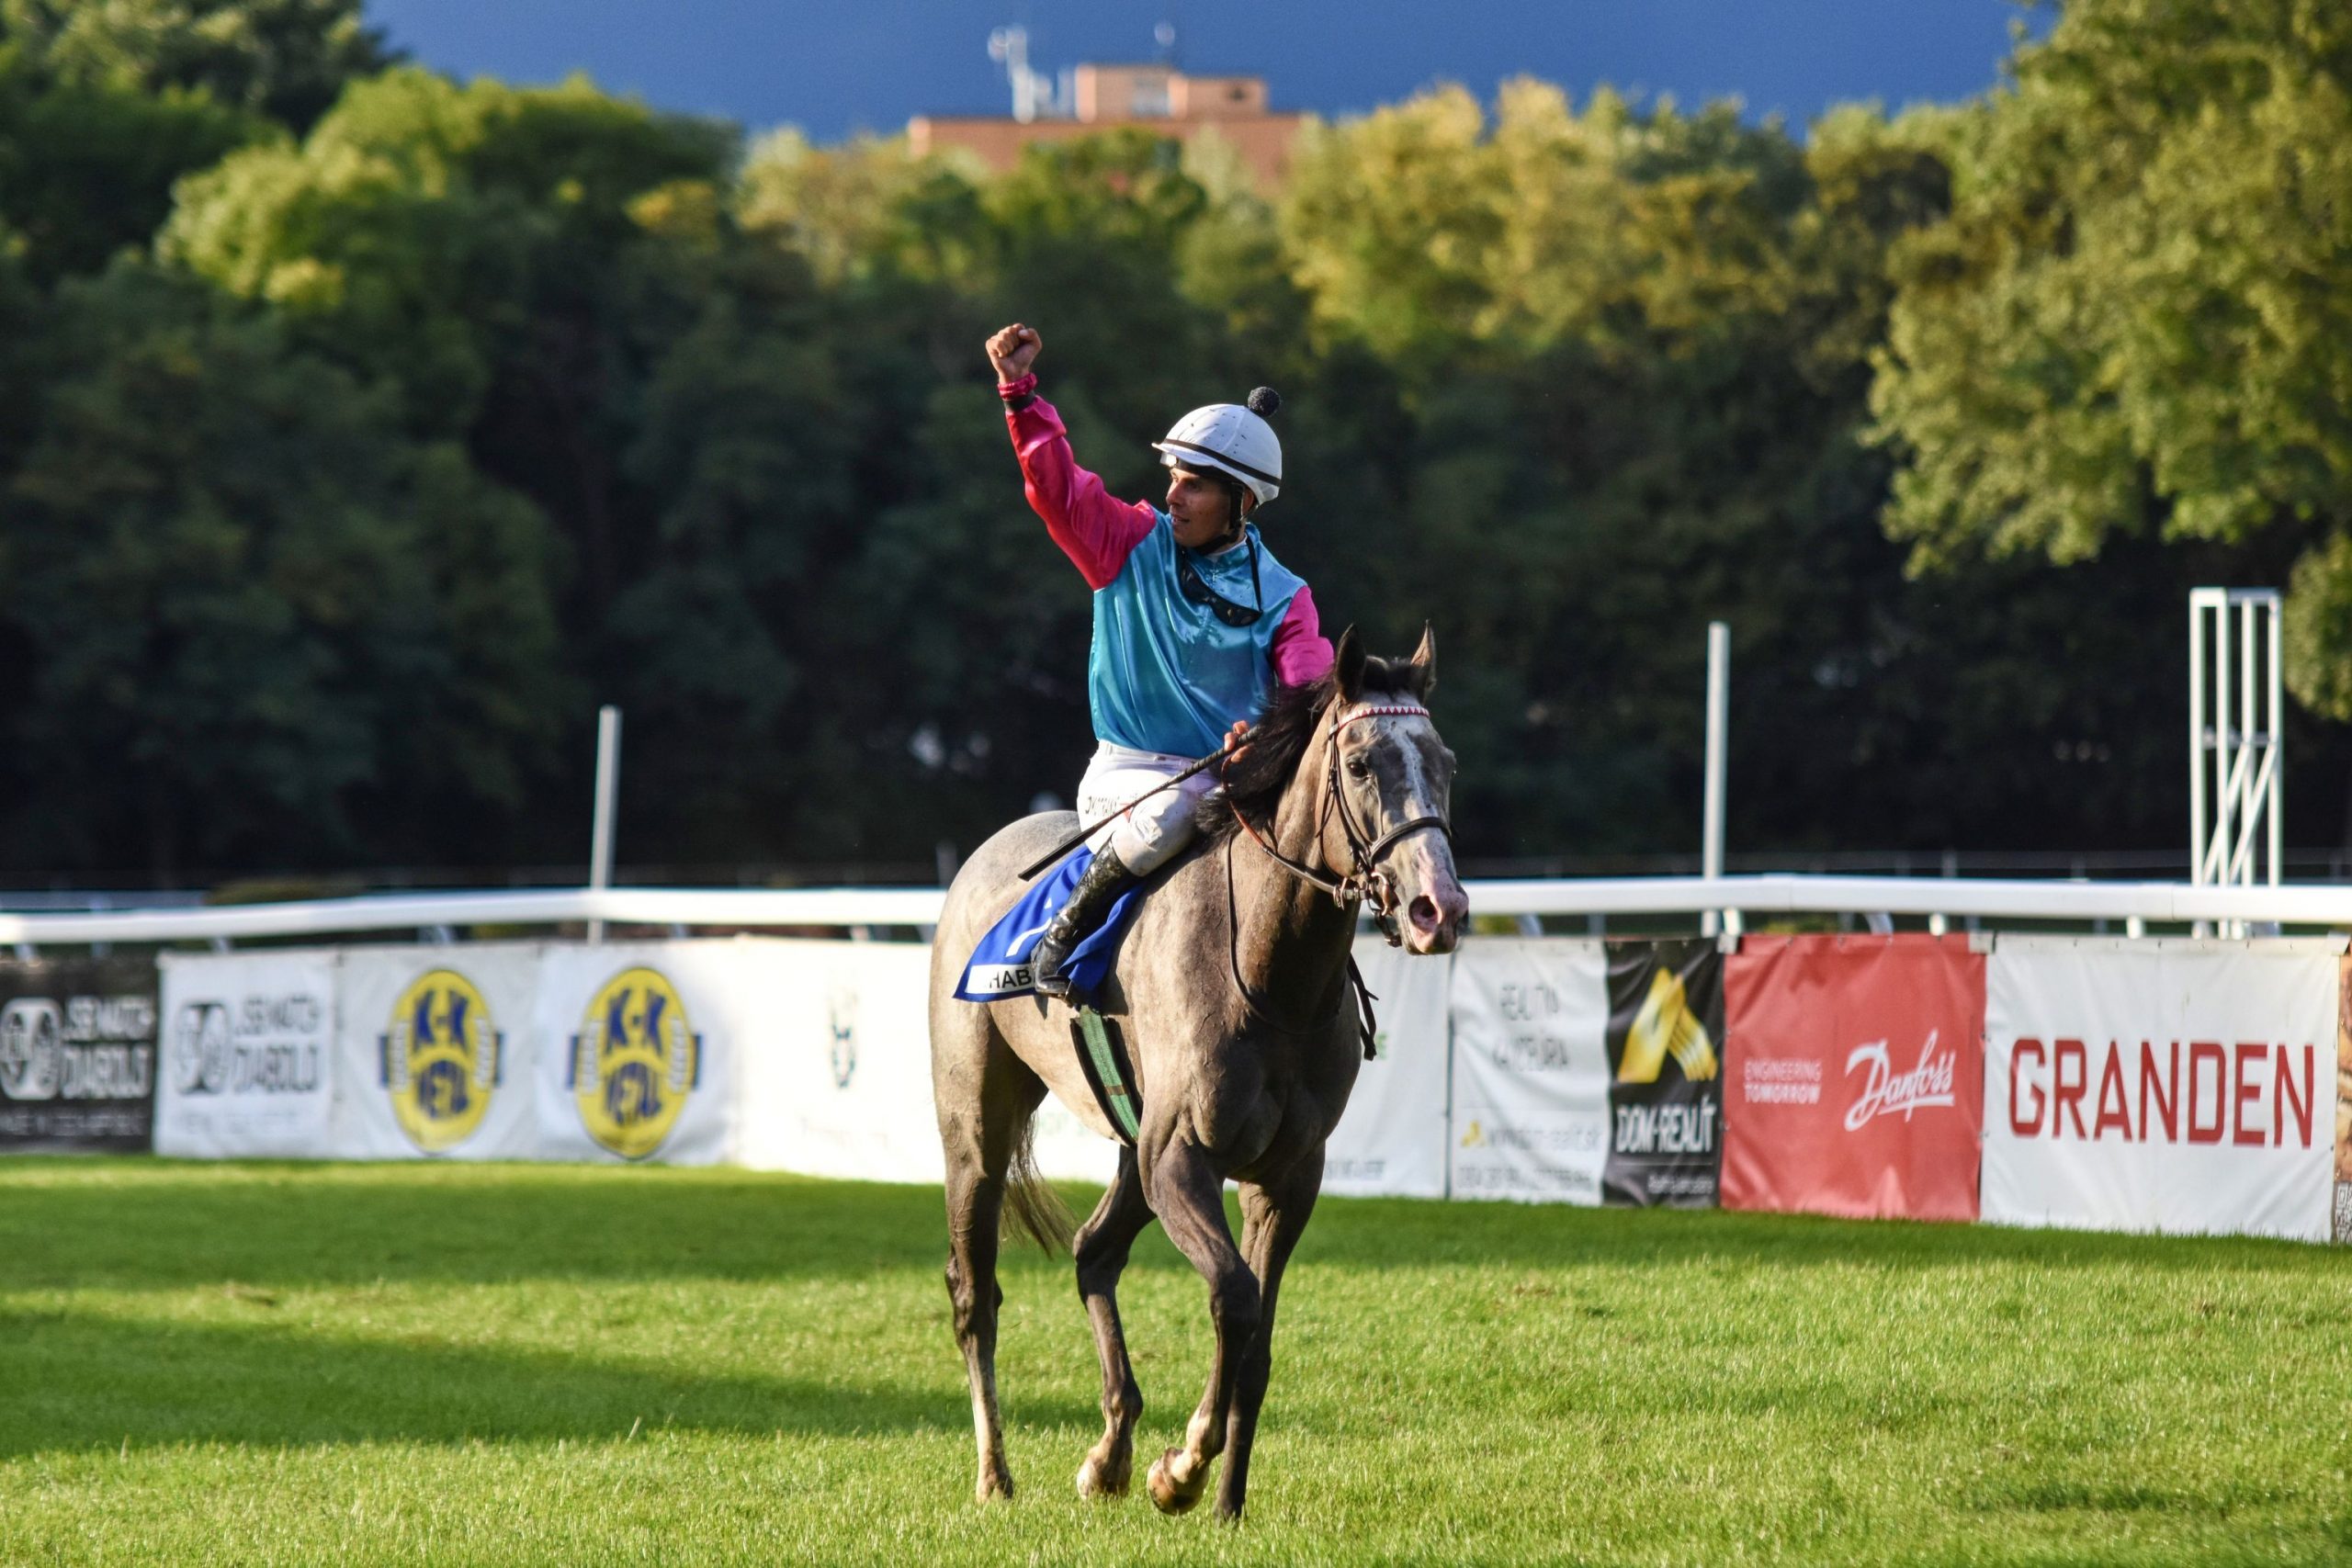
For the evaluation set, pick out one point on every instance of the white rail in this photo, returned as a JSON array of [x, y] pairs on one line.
[[2172, 902]]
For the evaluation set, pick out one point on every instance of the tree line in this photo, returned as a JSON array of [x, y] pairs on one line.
[[362, 431]]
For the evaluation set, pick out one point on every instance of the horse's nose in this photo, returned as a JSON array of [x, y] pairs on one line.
[[1440, 918]]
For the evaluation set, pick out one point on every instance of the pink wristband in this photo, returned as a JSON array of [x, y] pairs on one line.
[[1009, 391]]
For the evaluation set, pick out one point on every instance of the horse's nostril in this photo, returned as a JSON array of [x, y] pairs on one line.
[[1424, 912]]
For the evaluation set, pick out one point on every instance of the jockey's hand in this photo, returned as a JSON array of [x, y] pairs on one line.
[[1236, 740], [1012, 350]]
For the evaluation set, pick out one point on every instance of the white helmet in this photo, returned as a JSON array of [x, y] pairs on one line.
[[1232, 439]]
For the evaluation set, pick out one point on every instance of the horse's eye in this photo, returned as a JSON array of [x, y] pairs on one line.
[[1358, 767]]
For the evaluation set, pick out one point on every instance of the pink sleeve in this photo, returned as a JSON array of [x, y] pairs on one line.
[[1302, 653], [1094, 531]]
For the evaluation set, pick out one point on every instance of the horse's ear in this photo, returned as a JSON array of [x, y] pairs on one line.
[[1420, 675], [1347, 662]]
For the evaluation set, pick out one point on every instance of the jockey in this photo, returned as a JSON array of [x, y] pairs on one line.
[[1194, 621]]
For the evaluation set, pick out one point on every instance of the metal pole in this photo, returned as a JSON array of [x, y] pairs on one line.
[[1710, 851], [2225, 734], [608, 780], [2278, 747], [2196, 736], [2249, 803]]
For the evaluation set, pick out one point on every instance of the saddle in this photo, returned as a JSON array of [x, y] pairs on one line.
[[999, 965], [1000, 968]]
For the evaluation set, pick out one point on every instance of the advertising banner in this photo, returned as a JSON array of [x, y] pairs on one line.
[[434, 1053], [2163, 1085], [2343, 1208], [837, 1070], [247, 1052], [1854, 1076], [637, 1049], [77, 1053], [1392, 1142], [1666, 1030], [1531, 1070]]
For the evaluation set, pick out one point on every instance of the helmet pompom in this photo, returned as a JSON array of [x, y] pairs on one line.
[[1264, 402]]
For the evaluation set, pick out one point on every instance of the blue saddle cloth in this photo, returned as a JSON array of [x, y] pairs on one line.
[[999, 965]]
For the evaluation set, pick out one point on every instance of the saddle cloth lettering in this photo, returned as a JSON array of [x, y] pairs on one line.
[[999, 965]]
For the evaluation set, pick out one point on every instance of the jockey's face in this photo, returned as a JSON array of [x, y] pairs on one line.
[[1198, 508]]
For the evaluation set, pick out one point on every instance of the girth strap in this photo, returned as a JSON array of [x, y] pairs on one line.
[[1103, 1057]]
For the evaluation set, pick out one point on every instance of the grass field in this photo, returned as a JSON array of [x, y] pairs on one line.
[[507, 1364]]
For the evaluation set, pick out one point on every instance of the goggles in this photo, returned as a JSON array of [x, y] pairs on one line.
[[1188, 581]]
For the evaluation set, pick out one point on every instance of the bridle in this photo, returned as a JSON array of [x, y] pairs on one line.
[[1365, 881]]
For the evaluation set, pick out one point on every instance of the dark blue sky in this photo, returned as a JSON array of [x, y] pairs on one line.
[[871, 63]]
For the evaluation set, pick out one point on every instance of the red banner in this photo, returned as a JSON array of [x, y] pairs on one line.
[[1854, 1076]]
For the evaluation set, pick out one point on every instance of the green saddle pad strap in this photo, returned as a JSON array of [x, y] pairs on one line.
[[1107, 1072]]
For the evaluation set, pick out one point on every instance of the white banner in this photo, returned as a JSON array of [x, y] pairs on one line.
[[435, 1053], [247, 1052], [638, 1047], [837, 1081], [837, 1074], [1531, 1070], [836, 1077], [1391, 1141], [2159, 1085]]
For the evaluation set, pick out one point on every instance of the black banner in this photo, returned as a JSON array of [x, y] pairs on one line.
[[77, 1053], [1665, 1032]]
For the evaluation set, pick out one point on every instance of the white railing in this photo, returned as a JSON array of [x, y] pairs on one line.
[[2161, 902]]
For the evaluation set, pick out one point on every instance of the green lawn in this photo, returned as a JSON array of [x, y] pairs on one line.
[[506, 1364]]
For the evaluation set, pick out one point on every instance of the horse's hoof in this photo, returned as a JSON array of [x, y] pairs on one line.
[[1101, 1477], [1165, 1495]]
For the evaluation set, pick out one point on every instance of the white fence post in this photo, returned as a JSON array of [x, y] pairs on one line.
[[1711, 832], [608, 784]]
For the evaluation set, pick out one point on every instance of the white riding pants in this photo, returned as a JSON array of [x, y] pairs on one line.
[[1148, 836]]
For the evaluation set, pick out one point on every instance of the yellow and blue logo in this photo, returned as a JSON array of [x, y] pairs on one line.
[[634, 1062], [440, 1060]]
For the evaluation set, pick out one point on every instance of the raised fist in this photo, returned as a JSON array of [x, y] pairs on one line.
[[1012, 350]]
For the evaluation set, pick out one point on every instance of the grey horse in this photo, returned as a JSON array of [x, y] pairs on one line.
[[1231, 990]]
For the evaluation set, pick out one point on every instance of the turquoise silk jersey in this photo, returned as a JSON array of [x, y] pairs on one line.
[[1164, 675], [1167, 675]]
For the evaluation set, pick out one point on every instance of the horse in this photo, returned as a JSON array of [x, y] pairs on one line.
[[1231, 990]]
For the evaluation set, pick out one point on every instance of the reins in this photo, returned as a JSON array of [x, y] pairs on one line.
[[1366, 882], [1367, 1023]]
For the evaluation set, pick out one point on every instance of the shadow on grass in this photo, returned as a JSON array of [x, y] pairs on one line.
[[164, 1225], [130, 1224], [76, 1383]]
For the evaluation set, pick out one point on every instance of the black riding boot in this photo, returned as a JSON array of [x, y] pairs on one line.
[[1096, 889]]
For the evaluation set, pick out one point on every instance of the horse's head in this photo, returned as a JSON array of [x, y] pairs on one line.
[[1393, 780]]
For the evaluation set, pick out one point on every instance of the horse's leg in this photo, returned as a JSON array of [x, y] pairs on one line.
[[1189, 1197], [1102, 1249], [1273, 1215], [978, 1123]]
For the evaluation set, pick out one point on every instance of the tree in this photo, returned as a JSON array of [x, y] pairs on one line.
[[86, 169], [2134, 319], [287, 60], [250, 606]]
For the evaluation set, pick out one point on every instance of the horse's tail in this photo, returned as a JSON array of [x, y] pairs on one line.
[[1036, 1207]]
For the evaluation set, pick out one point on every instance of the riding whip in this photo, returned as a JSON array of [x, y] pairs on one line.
[[1050, 856]]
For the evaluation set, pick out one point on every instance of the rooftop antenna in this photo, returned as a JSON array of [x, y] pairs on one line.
[[1033, 91]]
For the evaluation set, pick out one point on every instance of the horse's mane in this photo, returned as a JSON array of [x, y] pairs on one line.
[[1255, 780]]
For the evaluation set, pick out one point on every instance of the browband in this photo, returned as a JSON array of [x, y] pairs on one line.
[[1382, 710]]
